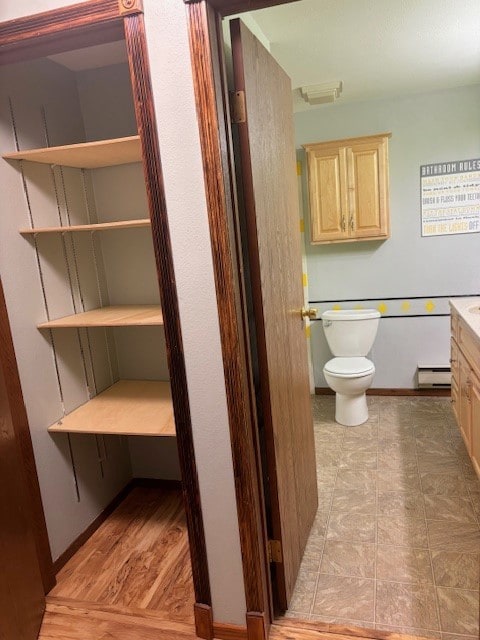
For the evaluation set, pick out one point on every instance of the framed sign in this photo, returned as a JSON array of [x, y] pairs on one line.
[[450, 197]]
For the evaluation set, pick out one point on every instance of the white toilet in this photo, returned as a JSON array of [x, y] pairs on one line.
[[350, 335]]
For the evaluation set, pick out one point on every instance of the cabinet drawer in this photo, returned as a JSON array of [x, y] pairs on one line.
[[470, 346]]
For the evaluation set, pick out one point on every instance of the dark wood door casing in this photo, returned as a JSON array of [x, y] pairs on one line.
[[231, 7], [8, 364], [206, 44], [212, 113], [23, 534], [85, 24], [135, 37]]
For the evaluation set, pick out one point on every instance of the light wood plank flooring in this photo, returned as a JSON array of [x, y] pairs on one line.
[[136, 563], [63, 622]]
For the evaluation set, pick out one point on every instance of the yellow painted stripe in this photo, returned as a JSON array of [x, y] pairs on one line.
[[305, 279], [299, 168]]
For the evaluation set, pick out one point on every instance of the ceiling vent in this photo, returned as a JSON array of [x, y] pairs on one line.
[[321, 93]]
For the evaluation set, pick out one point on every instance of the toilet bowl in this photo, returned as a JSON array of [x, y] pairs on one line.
[[350, 335], [350, 378]]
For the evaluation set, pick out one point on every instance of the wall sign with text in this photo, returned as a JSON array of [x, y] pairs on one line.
[[450, 197]]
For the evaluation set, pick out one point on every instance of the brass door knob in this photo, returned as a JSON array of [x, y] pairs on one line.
[[308, 312]]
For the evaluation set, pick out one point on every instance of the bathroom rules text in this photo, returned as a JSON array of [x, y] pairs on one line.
[[450, 197]]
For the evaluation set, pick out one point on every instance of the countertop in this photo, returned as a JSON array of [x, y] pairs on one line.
[[461, 306]]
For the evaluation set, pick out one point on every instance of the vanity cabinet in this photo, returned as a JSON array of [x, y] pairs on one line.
[[348, 189], [465, 363]]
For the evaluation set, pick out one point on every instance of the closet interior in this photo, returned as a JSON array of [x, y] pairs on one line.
[[78, 269]]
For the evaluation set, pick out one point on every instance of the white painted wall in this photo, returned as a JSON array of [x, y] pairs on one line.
[[430, 127], [182, 166], [128, 257], [31, 86]]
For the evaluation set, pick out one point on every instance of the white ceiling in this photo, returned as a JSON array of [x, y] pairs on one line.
[[100, 55], [378, 48]]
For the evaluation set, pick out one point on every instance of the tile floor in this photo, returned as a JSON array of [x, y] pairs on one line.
[[396, 541]]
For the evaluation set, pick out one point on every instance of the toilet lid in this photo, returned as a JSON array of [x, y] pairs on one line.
[[349, 367]]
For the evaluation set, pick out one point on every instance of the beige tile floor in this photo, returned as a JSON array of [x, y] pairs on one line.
[[396, 540]]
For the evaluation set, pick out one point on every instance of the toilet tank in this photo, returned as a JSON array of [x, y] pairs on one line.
[[350, 332]]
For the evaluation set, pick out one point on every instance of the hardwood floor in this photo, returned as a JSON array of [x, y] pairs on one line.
[[137, 562], [65, 622]]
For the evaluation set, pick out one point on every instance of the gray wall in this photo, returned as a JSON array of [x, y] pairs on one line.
[[128, 256], [187, 211], [431, 127], [53, 194]]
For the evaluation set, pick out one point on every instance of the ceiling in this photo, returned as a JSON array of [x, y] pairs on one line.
[[100, 55], [377, 48]]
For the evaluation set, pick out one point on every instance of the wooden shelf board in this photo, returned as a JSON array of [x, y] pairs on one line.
[[128, 408], [86, 155], [116, 316], [101, 226]]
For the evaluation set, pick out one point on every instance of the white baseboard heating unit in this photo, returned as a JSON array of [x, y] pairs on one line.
[[434, 376]]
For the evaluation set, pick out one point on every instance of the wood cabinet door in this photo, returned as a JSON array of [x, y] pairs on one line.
[[475, 423], [465, 390], [270, 193], [327, 178], [367, 171]]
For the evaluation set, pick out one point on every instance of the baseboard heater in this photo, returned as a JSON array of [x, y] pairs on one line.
[[434, 376]]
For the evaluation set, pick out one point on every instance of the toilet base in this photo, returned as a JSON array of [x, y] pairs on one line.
[[351, 411]]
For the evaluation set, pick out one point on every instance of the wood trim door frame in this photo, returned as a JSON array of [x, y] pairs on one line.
[[8, 364], [85, 24], [211, 94]]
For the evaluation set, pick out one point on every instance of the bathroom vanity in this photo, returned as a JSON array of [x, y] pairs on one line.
[[465, 361]]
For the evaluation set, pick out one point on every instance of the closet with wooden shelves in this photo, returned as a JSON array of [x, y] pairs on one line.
[[127, 407], [81, 283]]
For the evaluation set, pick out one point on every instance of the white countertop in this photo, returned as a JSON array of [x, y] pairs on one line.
[[462, 305]]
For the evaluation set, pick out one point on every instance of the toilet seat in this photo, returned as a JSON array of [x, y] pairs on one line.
[[355, 367]]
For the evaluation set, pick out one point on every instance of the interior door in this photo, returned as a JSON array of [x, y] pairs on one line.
[[269, 186], [22, 600]]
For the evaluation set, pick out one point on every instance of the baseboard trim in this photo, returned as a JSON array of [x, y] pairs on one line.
[[257, 628], [434, 393], [203, 621], [229, 631], [72, 549]]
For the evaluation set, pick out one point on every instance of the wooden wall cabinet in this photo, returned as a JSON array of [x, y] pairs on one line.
[[348, 189], [465, 361]]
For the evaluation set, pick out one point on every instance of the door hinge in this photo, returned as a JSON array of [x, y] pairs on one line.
[[275, 551], [238, 110]]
